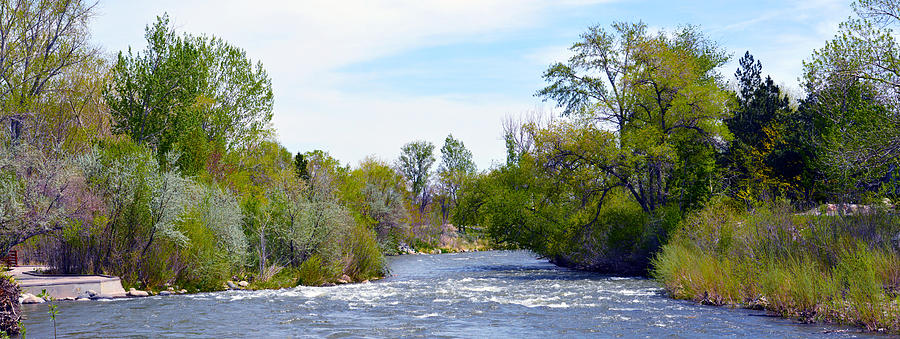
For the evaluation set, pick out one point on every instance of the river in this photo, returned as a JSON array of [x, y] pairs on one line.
[[498, 294]]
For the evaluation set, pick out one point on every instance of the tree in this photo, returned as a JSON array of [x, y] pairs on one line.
[[151, 90], [192, 94], [39, 41], [300, 165], [646, 112], [415, 164], [39, 195], [853, 86], [759, 161], [455, 168], [236, 94], [375, 190]]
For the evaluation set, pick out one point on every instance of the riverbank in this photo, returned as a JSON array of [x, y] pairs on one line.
[[811, 268]]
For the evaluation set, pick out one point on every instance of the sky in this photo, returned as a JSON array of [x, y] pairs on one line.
[[361, 78]]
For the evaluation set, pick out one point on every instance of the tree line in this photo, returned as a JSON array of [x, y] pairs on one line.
[[161, 165], [651, 132]]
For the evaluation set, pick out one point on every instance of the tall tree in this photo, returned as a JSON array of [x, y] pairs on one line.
[[646, 108], [853, 86], [416, 159], [455, 168], [192, 94], [39, 41], [236, 95], [151, 90], [758, 157]]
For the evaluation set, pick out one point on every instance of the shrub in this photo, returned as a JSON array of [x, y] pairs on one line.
[[813, 268]]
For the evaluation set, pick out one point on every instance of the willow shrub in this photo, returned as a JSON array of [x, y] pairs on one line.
[[155, 226], [363, 259], [812, 268]]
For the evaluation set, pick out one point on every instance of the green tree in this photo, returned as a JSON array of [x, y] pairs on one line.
[[641, 105], [375, 190], [455, 168], [758, 160], [300, 164], [853, 91], [151, 90], [236, 94], [41, 40], [415, 164], [190, 94]]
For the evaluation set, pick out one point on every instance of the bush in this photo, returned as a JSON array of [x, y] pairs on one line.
[[10, 315], [364, 259], [313, 272], [812, 268]]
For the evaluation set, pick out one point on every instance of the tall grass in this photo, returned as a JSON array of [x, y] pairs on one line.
[[811, 268]]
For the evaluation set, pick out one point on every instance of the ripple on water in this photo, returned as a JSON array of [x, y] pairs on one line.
[[493, 294]]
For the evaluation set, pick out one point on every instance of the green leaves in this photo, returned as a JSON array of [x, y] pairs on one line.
[[186, 93], [649, 91], [415, 164], [151, 90]]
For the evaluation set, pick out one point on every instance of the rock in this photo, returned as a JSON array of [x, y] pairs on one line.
[[328, 284], [243, 283], [91, 293], [182, 291], [346, 278], [365, 281], [132, 292], [231, 285], [165, 293], [170, 288], [32, 299], [68, 298], [82, 299]]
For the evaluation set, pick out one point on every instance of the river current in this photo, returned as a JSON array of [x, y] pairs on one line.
[[497, 294]]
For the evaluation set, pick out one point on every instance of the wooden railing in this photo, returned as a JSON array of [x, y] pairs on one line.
[[11, 259]]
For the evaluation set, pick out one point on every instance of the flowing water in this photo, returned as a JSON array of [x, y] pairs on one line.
[[498, 294]]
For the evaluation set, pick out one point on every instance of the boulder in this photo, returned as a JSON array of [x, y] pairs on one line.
[[182, 291], [243, 283], [132, 292], [231, 285], [91, 293], [33, 299], [165, 293], [345, 279]]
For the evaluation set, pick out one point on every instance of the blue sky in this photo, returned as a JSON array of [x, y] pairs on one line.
[[358, 78]]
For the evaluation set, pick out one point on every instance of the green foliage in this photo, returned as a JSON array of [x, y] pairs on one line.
[[815, 268], [154, 89], [364, 260], [375, 191], [759, 164], [42, 41], [662, 101], [189, 94], [853, 96], [415, 164], [313, 272], [456, 167]]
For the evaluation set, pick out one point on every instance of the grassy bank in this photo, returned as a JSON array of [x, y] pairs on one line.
[[836, 269]]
